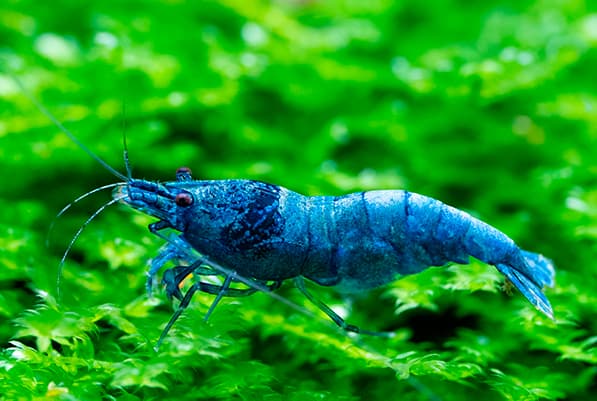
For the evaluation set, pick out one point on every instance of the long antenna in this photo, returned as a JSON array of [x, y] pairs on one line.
[[77, 235], [127, 163], [80, 198], [72, 137]]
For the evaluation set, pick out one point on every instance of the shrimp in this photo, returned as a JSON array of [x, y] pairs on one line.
[[261, 234], [268, 234]]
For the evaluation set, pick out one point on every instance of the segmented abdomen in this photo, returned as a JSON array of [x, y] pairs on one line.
[[371, 238]]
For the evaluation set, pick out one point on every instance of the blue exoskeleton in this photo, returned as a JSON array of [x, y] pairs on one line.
[[262, 234], [266, 233]]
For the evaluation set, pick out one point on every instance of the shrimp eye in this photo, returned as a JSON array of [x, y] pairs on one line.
[[183, 174], [183, 199]]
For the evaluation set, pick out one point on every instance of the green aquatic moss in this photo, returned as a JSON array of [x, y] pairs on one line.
[[489, 107]]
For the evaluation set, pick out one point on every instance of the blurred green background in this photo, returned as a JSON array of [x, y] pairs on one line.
[[488, 106]]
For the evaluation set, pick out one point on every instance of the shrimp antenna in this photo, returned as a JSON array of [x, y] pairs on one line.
[[77, 235], [127, 163], [80, 198], [72, 137]]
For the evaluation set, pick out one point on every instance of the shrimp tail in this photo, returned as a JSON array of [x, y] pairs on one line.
[[530, 275]]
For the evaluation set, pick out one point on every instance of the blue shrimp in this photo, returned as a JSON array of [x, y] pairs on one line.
[[268, 234], [261, 234]]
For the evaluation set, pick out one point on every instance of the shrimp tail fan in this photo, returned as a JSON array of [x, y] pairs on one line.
[[530, 276]]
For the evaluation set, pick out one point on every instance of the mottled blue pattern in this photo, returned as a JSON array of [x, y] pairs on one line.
[[354, 242]]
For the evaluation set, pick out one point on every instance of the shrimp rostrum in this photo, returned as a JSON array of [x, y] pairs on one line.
[[266, 234], [262, 234]]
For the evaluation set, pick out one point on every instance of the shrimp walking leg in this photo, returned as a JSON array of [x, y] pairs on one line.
[[300, 284]]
